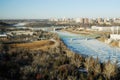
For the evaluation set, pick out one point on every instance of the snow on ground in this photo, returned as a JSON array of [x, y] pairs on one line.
[[90, 47]]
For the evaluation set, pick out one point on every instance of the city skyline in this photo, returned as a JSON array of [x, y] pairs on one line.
[[43, 9]]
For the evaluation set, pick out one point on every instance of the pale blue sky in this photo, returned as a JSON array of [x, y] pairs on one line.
[[38, 9]]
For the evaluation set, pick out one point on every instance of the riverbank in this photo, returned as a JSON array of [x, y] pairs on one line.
[[101, 36]]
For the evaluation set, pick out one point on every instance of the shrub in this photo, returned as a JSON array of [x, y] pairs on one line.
[[110, 69]]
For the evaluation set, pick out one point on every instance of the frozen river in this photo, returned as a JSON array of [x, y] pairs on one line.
[[90, 47]]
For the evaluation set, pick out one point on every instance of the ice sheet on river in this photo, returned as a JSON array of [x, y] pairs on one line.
[[91, 47]]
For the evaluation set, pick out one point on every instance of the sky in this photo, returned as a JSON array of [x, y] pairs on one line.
[[43, 9]]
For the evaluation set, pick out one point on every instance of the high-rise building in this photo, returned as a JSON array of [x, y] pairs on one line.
[[86, 20], [100, 21], [91, 21], [77, 20], [82, 20], [117, 20], [107, 21]]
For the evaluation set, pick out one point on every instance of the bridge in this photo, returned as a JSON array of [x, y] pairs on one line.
[[59, 27], [53, 28]]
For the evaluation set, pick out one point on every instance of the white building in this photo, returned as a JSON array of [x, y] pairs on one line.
[[114, 29], [101, 28], [107, 29], [115, 33], [77, 20], [115, 36], [3, 35]]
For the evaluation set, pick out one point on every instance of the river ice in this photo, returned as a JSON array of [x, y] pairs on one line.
[[90, 47]]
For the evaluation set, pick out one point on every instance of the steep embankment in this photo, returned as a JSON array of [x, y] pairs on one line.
[[55, 63]]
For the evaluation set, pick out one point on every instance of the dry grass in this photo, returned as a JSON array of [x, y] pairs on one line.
[[101, 39], [110, 69], [79, 32], [115, 44], [43, 45]]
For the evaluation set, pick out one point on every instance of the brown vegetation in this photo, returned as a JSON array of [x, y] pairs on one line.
[[115, 44], [36, 45], [56, 63]]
